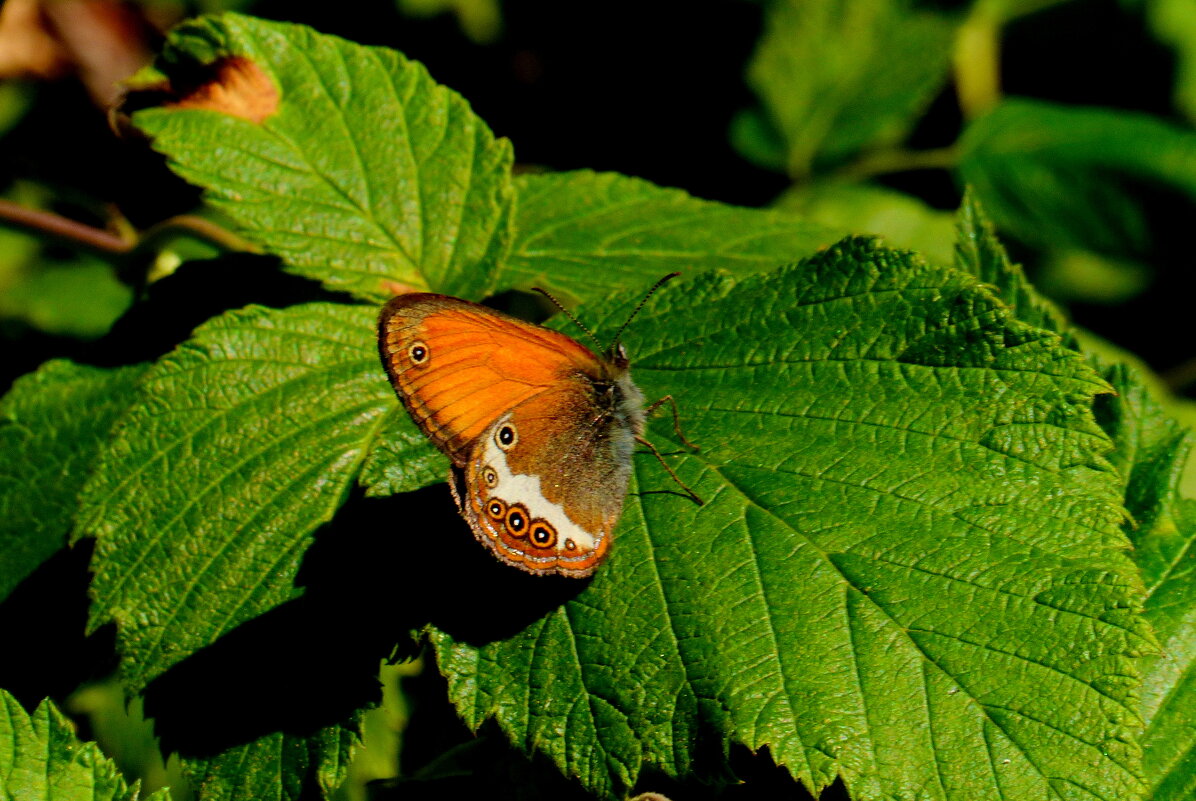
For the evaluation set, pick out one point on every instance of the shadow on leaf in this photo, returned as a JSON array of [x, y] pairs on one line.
[[384, 567]]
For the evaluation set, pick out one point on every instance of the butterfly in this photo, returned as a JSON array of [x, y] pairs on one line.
[[539, 429]]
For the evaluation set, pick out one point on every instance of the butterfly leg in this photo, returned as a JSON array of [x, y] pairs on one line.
[[676, 419], [693, 495]]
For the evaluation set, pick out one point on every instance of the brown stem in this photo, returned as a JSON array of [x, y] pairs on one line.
[[108, 243], [77, 233]]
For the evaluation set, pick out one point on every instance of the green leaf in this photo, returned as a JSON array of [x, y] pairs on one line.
[[594, 233], [1169, 686], [839, 77], [245, 440], [755, 138], [903, 220], [979, 253], [81, 298], [401, 460], [1081, 276], [275, 767], [1072, 177], [42, 758], [908, 572], [1152, 450], [53, 424], [367, 171]]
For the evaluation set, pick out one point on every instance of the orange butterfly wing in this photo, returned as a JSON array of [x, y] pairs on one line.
[[477, 363], [541, 428]]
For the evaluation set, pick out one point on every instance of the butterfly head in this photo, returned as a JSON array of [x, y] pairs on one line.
[[617, 355]]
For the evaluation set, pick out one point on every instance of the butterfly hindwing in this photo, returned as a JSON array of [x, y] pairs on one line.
[[544, 485]]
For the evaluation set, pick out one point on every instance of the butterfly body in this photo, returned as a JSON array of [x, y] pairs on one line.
[[539, 428]]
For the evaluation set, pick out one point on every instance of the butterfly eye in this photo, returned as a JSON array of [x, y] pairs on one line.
[[496, 509], [506, 436], [517, 521], [543, 535], [418, 352]]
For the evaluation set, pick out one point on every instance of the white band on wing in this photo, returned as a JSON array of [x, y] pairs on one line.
[[517, 488]]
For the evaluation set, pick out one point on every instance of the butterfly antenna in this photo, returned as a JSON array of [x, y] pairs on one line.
[[568, 314], [636, 311]]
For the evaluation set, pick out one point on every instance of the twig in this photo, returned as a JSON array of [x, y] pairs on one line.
[[110, 244], [44, 222]]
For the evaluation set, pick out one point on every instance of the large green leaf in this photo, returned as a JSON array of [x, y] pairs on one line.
[[1151, 452], [245, 440], [1059, 177], [366, 171], [53, 423], [274, 767], [594, 233], [908, 571], [836, 77], [42, 759]]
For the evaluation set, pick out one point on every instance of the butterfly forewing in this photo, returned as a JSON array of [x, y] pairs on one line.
[[458, 366]]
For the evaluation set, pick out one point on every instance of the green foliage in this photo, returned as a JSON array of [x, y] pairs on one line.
[[904, 221], [42, 758], [1151, 450], [838, 77], [76, 294], [1066, 177], [53, 424], [867, 585], [274, 767], [243, 442], [1151, 453], [605, 232], [379, 173], [931, 527]]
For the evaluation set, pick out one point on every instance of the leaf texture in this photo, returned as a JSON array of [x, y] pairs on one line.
[[910, 530], [1152, 450], [53, 423], [245, 440], [41, 759], [1060, 177], [274, 767], [367, 173], [595, 233]]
